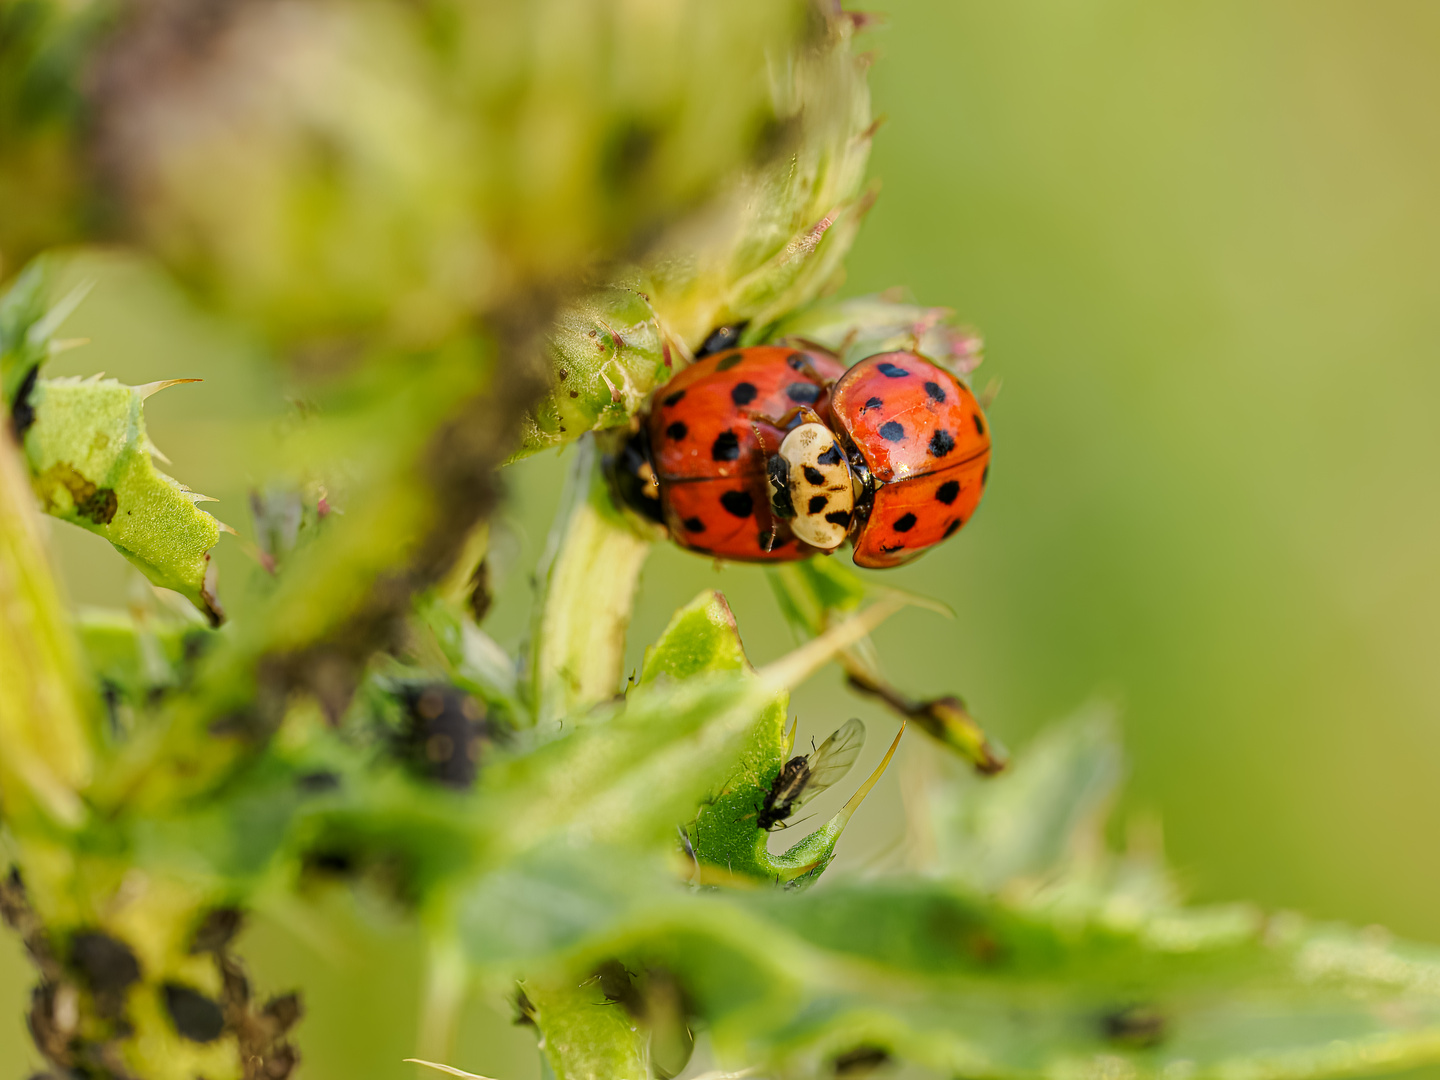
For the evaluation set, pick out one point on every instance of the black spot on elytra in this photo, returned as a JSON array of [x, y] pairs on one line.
[[892, 431], [948, 491], [743, 393], [979, 423], [728, 362], [890, 550], [677, 431], [803, 393], [890, 371], [818, 503], [872, 403], [796, 361], [951, 529], [196, 1016], [814, 475], [839, 517], [726, 447], [936, 391], [671, 400], [693, 524], [831, 456], [984, 476], [738, 503], [941, 443], [905, 523]]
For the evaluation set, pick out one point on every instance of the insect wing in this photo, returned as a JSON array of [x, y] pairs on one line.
[[830, 763]]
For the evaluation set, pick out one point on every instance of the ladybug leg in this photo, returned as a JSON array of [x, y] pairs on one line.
[[800, 414]]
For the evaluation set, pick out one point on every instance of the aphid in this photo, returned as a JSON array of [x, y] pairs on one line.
[[771, 454], [807, 775]]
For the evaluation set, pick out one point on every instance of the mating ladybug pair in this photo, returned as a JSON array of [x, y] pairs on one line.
[[769, 454]]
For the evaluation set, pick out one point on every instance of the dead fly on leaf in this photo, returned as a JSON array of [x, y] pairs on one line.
[[806, 775]]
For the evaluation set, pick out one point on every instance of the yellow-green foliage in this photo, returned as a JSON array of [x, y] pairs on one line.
[[93, 465]]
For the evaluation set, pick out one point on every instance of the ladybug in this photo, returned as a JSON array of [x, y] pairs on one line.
[[771, 453]]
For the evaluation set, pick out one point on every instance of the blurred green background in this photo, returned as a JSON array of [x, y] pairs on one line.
[[1203, 244]]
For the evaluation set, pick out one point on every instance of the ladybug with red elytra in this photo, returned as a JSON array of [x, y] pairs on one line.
[[772, 453]]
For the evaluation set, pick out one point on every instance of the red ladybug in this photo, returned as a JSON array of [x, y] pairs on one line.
[[770, 454]]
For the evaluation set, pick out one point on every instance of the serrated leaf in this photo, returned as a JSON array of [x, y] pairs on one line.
[[91, 463]]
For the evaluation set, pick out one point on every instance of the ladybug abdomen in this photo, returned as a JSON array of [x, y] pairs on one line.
[[925, 441]]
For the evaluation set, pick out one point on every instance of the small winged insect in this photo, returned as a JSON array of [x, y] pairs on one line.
[[806, 775]]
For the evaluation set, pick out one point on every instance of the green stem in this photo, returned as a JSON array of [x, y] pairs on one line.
[[46, 718], [591, 570]]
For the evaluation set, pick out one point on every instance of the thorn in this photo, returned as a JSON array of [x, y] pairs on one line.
[[855, 800], [52, 319], [446, 1069], [66, 344], [145, 390], [223, 527]]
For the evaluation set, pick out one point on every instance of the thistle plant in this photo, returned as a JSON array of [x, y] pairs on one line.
[[463, 233]]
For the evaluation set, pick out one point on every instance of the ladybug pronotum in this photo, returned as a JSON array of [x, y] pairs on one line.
[[770, 454]]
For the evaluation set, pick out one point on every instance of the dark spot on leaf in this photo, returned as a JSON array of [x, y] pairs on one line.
[[726, 447], [872, 403], [671, 400], [935, 391], [196, 1017], [979, 423], [890, 371], [948, 491], [818, 503], [693, 524], [677, 431], [951, 529], [105, 964], [743, 393], [803, 393], [283, 1012], [814, 475], [905, 523], [217, 930], [831, 456], [892, 431], [941, 443], [574, 393], [627, 151], [738, 503], [315, 783], [729, 362], [839, 517], [861, 1060], [1135, 1027]]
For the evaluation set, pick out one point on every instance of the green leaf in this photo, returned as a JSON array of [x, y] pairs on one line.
[[927, 972], [93, 466], [725, 836]]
